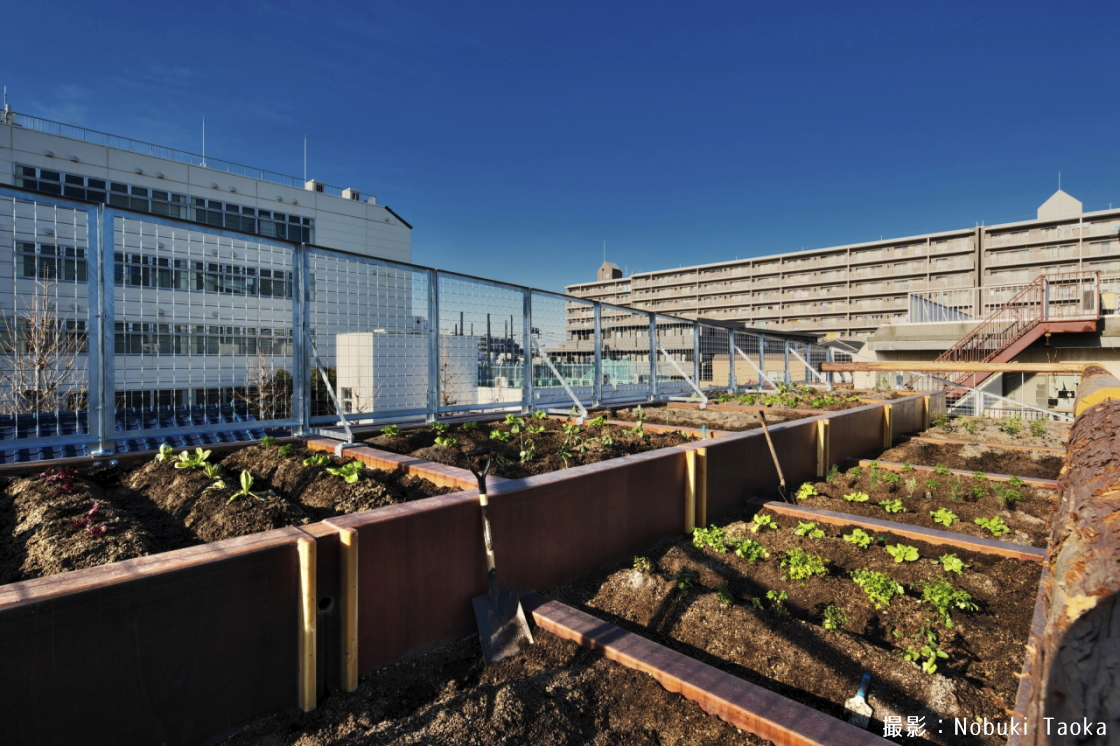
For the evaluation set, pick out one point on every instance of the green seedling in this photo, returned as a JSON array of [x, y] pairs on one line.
[[1008, 497], [902, 552], [808, 529], [800, 565], [879, 587], [857, 497], [944, 516], [940, 420], [597, 421], [855, 472], [528, 450], [932, 484], [806, 490], [756, 602], [942, 596], [643, 565], [714, 538], [349, 471], [285, 450], [979, 476], [978, 493], [906, 466], [928, 650], [440, 427], [318, 459], [246, 489], [268, 441], [994, 525], [951, 563], [833, 474], [447, 440], [470, 425], [748, 400], [534, 429], [892, 479], [164, 452], [1038, 428], [1015, 482], [762, 521], [777, 598], [723, 593], [859, 537], [874, 466], [1012, 426], [390, 431], [972, 426], [541, 414], [213, 471], [942, 470], [684, 578], [911, 485], [750, 550], [892, 506], [955, 488], [217, 484], [834, 618], [192, 460], [500, 435]]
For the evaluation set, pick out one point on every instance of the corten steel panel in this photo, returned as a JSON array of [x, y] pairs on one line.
[[175, 648], [421, 563], [740, 465], [907, 417], [855, 432]]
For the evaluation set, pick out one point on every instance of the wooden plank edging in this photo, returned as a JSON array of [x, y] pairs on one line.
[[746, 706], [439, 474], [1050, 484], [919, 533], [948, 442]]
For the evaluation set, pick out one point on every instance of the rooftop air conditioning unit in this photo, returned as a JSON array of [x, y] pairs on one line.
[[313, 186], [351, 194]]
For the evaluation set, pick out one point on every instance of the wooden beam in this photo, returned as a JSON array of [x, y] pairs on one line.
[[930, 366]]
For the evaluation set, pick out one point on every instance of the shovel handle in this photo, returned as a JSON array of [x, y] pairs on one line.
[[863, 685]]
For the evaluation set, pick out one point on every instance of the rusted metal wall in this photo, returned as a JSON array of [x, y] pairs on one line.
[[1075, 661]]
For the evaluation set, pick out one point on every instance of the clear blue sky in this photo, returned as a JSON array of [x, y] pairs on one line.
[[517, 137]]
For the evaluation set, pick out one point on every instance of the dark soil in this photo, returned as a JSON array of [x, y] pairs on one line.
[[1028, 518], [715, 419], [49, 525], [548, 445], [554, 693], [786, 649], [982, 430], [978, 458], [805, 398]]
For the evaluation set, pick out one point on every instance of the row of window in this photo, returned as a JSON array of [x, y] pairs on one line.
[[168, 398], [268, 223], [144, 271], [144, 338]]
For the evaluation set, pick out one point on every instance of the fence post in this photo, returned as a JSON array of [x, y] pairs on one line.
[[653, 355], [527, 384], [597, 365], [101, 407], [761, 359], [828, 355], [433, 346], [696, 353], [787, 361], [732, 383], [301, 332]]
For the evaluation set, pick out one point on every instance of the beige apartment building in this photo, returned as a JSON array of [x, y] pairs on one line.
[[850, 291]]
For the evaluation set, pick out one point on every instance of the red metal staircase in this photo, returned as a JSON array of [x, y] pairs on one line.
[[1067, 302]]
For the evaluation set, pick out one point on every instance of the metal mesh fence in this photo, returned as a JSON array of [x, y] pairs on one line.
[[775, 360], [715, 357], [625, 353], [748, 359], [675, 355], [563, 342]]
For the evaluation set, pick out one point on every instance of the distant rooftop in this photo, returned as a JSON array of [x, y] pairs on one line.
[[159, 151]]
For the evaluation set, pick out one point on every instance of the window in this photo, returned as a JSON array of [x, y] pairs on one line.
[[49, 262]]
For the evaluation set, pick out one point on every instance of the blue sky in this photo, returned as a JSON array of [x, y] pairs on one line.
[[517, 137]]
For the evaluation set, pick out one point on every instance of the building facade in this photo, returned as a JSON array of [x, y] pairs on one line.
[[850, 291]]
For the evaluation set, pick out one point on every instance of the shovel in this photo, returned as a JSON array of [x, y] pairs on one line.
[[774, 455], [501, 620], [859, 712]]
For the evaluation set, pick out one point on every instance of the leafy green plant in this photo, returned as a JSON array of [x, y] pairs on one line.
[[932, 484], [1038, 428], [993, 525], [762, 521], [750, 550], [684, 578], [318, 459], [1015, 482], [834, 618], [246, 489], [940, 420], [857, 497], [714, 538], [528, 450], [500, 435], [942, 470], [879, 587], [971, 426], [978, 493], [213, 471], [906, 466], [979, 476], [892, 480], [757, 603], [808, 529], [390, 431], [911, 485], [165, 451], [855, 473], [833, 474], [1008, 497], [955, 488], [440, 427], [748, 400], [597, 421], [192, 460], [892, 506], [447, 440], [927, 648], [806, 490], [350, 472], [902, 552], [777, 598], [859, 537], [268, 441], [942, 596], [951, 563], [470, 425], [944, 516], [285, 450], [643, 565], [1012, 426], [540, 414], [874, 466], [800, 565], [723, 593]]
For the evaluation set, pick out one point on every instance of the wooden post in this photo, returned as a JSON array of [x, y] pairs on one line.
[[690, 485], [308, 610], [348, 546], [702, 487], [822, 449], [925, 413], [888, 430]]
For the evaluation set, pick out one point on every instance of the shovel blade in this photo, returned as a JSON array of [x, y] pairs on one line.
[[501, 624], [859, 712]]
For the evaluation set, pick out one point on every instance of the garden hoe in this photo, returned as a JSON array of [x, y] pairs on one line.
[[774, 455], [859, 712], [501, 620]]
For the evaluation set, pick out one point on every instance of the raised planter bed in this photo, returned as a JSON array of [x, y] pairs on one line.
[[1010, 432], [1008, 446], [1027, 518], [783, 646], [714, 417], [527, 453], [67, 520], [977, 458]]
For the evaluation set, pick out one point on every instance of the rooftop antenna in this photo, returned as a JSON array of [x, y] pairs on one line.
[[7, 109], [305, 159], [604, 252], [1059, 181], [204, 142]]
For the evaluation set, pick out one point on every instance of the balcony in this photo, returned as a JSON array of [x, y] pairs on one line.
[[1030, 256]]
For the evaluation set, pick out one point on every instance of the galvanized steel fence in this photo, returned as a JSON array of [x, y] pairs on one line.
[[120, 331]]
